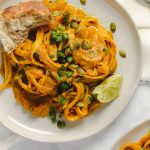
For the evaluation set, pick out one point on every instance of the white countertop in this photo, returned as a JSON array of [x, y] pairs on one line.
[[136, 112]]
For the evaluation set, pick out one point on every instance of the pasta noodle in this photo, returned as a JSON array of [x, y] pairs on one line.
[[62, 64], [143, 144]]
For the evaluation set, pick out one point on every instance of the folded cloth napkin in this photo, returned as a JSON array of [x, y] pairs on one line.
[[139, 10]]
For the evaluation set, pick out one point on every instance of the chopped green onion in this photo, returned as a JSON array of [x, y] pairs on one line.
[[85, 45], [113, 27], [70, 59], [72, 46], [68, 51], [60, 54], [52, 114], [65, 36], [59, 38], [80, 71], [69, 74], [62, 100], [61, 124], [61, 71], [74, 25], [83, 2], [61, 27], [122, 53], [80, 104], [59, 78], [74, 66], [63, 86], [66, 18], [78, 29], [51, 56], [57, 13], [76, 19]]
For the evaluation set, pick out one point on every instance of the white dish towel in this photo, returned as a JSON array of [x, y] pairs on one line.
[[139, 10]]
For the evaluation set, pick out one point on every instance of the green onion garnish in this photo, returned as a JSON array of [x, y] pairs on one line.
[[61, 27], [60, 54], [80, 104], [66, 18], [52, 114], [51, 56], [74, 25], [70, 59], [61, 124], [62, 100], [69, 74]]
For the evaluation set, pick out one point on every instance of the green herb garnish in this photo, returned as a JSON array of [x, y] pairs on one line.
[[51, 56], [66, 18], [60, 54], [61, 124], [61, 87], [61, 27], [52, 114], [62, 100], [80, 104], [57, 13], [70, 59], [73, 25], [69, 74]]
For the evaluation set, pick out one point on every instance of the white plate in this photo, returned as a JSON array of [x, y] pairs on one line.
[[15, 118], [133, 135]]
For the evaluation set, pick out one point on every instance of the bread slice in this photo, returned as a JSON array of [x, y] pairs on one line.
[[16, 22]]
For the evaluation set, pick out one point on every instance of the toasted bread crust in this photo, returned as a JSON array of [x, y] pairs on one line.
[[16, 22], [30, 7]]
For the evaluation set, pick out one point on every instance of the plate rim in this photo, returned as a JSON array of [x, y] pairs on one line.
[[58, 140]]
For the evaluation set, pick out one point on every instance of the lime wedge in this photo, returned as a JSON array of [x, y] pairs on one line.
[[109, 89]]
